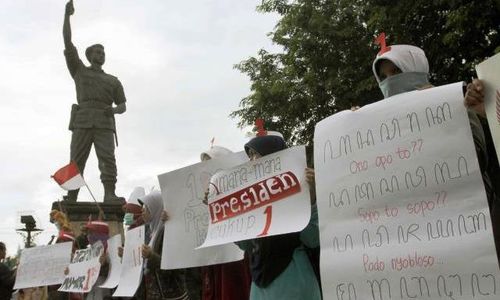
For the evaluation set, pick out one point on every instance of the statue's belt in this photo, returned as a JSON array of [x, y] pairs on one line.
[[93, 104]]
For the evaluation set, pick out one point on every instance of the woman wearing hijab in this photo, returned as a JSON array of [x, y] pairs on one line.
[[279, 264], [133, 210], [230, 280], [404, 68], [159, 284]]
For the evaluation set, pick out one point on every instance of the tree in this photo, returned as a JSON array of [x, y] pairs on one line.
[[328, 49]]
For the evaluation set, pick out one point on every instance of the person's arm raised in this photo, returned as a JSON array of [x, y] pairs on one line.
[[70, 10]]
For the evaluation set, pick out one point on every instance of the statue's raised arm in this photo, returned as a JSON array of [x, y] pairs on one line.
[[70, 10], [72, 59]]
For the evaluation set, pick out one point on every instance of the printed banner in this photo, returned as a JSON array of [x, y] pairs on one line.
[[402, 208], [115, 263], [489, 72], [183, 192], [43, 265], [132, 263], [264, 197]]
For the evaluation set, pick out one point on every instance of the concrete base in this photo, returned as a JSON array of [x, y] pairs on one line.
[[78, 213]]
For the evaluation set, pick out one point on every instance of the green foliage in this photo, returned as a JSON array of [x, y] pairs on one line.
[[11, 262], [455, 34], [328, 49]]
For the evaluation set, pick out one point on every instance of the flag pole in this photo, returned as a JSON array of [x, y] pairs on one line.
[[101, 212], [61, 209]]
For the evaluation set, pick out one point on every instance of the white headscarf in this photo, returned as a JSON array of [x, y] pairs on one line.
[[136, 194], [154, 203], [215, 152], [406, 57]]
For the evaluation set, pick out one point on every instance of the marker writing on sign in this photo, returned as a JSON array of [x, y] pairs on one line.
[[259, 194]]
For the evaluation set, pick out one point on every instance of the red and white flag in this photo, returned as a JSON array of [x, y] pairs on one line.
[[69, 177]]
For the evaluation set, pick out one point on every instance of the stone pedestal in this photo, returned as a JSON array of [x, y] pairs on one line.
[[78, 213]]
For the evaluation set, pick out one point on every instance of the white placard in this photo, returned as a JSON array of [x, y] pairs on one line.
[[489, 72], [132, 263], [43, 265], [94, 250], [81, 276], [402, 208], [183, 191], [265, 197], [115, 263]]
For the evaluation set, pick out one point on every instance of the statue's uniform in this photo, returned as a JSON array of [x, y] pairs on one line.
[[96, 91]]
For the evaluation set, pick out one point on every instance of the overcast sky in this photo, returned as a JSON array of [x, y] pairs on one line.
[[175, 60]]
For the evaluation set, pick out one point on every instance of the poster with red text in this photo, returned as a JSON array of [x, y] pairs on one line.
[[83, 270], [81, 276], [260, 198], [183, 193], [402, 208], [132, 263]]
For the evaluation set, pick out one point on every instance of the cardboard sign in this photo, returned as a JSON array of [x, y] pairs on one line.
[[81, 276], [265, 197], [489, 72], [402, 208], [95, 250], [115, 263], [183, 192], [43, 265], [132, 263], [83, 270]]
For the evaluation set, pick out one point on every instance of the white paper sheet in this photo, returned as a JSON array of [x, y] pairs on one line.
[[402, 208], [489, 72], [115, 263], [94, 250], [43, 265], [265, 197], [183, 191], [81, 276], [132, 263]]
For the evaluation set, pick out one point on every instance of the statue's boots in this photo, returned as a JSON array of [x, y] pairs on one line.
[[109, 193], [71, 196]]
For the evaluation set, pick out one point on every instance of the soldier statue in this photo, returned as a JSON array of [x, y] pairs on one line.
[[92, 119]]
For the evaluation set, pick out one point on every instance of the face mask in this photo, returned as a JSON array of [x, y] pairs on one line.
[[128, 219], [402, 83]]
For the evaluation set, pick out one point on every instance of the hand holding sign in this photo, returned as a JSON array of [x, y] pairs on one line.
[[474, 97], [146, 251], [311, 180]]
